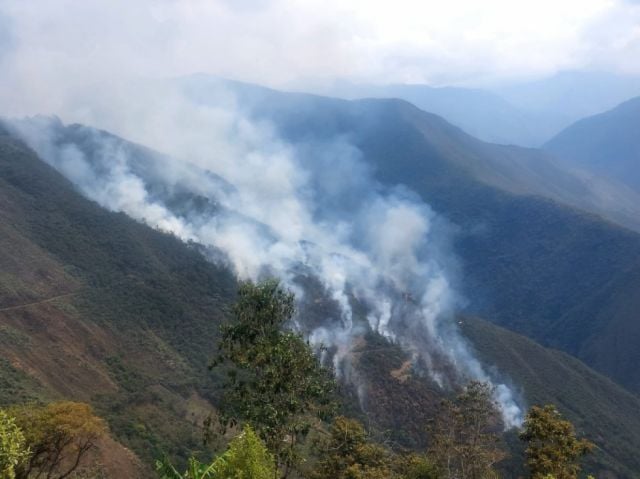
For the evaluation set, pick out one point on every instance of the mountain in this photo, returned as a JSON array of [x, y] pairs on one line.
[[521, 113], [449, 151], [561, 275], [572, 95], [480, 113], [606, 145], [101, 308]]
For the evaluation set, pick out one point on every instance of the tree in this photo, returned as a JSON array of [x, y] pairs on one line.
[[552, 446], [275, 382], [464, 444], [347, 454], [59, 436], [246, 458], [13, 450]]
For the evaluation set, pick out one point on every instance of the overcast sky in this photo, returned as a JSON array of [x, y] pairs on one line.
[[44, 44]]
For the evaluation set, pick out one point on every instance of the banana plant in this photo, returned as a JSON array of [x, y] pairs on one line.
[[195, 470]]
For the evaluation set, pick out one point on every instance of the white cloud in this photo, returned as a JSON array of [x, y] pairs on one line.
[[54, 52]]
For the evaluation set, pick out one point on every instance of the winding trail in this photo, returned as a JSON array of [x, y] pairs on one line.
[[47, 300]]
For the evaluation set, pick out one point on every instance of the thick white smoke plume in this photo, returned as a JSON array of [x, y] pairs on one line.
[[278, 209]]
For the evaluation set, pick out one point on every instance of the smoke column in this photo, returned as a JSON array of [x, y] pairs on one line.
[[278, 209]]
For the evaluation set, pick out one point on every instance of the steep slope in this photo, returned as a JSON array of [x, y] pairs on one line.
[[607, 144], [529, 263], [546, 376], [99, 308]]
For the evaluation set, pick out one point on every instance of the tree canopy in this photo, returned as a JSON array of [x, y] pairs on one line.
[[59, 435], [464, 440], [275, 381], [553, 449]]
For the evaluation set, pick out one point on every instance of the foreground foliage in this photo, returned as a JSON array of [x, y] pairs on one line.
[[13, 450], [58, 435], [348, 453], [246, 458], [552, 446], [464, 440]]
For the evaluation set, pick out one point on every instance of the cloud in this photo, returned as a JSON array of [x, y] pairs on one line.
[[54, 47]]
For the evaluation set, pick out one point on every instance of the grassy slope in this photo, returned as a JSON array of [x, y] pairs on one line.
[[135, 334]]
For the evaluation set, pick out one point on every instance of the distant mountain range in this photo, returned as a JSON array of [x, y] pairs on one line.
[[606, 145], [525, 114]]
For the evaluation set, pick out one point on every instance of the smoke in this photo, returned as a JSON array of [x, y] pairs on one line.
[[302, 212]]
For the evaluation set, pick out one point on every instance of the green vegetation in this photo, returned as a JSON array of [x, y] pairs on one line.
[[51, 441], [246, 458], [275, 381], [552, 446], [13, 448], [464, 439], [133, 291], [58, 436], [595, 404], [135, 337], [349, 453]]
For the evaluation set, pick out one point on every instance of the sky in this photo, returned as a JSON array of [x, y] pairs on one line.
[[52, 45]]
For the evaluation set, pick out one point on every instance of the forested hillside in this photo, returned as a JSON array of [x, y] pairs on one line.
[[561, 275], [99, 308]]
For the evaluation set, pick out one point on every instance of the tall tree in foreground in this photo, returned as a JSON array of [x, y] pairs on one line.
[[275, 382], [552, 446], [464, 442]]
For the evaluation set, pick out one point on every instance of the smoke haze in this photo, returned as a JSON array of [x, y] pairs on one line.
[[278, 209]]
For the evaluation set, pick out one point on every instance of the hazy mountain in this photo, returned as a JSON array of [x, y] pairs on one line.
[[572, 95], [525, 114], [606, 145], [480, 113], [450, 153], [98, 307]]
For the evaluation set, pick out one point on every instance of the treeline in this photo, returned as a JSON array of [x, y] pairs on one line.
[[286, 399]]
